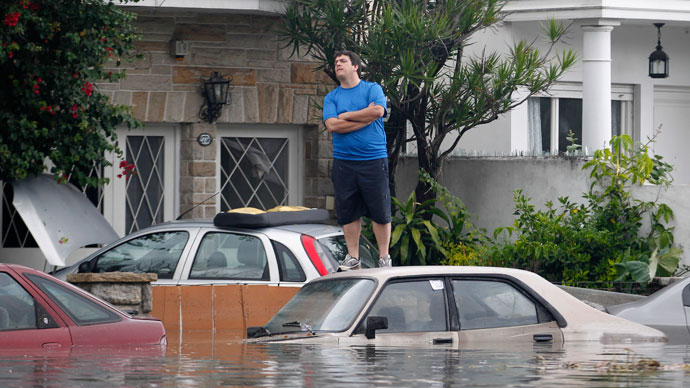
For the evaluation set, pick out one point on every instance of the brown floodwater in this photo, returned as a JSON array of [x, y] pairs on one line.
[[203, 359]]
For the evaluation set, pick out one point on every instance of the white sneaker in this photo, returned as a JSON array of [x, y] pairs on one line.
[[349, 263], [385, 261]]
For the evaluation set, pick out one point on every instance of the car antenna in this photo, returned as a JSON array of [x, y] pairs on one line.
[[194, 207]]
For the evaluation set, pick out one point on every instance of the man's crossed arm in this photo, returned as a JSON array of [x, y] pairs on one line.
[[352, 121]]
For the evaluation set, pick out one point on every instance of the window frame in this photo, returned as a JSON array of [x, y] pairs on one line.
[[206, 235], [533, 304], [451, 313], [115, 193], [279, 248], [294, 136], [111, 316], [619, 92], [34, 306], [94, 262], [537, 299]]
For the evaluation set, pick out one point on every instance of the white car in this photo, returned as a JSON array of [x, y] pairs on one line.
[[214, 278], [207, 252], [440, 305]]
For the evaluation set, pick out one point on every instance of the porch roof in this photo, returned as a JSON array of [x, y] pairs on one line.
[[623, 11]]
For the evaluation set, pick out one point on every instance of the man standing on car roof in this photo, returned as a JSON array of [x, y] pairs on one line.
[[353, 112]]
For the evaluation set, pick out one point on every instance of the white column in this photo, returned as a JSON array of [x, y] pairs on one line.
[[596, 87]]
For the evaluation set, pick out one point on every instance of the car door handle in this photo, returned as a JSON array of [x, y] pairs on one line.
[[542, 337], [439, 341], [51, 345]]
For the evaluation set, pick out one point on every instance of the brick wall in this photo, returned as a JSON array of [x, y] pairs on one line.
[[269, 87]]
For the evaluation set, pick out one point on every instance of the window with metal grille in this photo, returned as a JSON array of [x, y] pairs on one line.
[[145, 189], [254, 172], [15, 234]]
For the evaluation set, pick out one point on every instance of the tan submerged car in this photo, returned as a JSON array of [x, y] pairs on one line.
[[442, 305]]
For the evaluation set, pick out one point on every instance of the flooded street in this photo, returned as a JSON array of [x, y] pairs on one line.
[[225, 361]]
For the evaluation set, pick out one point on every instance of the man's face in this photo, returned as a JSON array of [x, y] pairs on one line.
[[344, 67]]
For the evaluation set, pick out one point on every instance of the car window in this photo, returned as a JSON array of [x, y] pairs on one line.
[[335, 249], [290, 270], [82, 310], [230, 256], [484, 304], [412, 306], [17, 307], [152, 253]]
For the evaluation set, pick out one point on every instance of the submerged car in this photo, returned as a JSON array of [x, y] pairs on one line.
[[442, 305], [39, 311], [667, 310]]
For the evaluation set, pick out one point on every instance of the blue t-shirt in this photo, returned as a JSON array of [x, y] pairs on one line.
[[366, 143]]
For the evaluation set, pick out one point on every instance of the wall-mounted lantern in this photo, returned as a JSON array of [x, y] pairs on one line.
[[216, 92], [658, 60]]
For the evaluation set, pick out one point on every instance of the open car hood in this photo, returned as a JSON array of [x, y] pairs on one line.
[[60, 217]]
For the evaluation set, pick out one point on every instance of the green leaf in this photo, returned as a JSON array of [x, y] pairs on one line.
[[639, 271], [668, 261], [397, 233], [653, 263], [417, 237], [404, 250]]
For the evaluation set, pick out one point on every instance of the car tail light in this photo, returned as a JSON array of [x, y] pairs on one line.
[[309, 244]]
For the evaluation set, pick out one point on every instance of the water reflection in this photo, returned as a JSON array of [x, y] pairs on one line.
[[204, 359]]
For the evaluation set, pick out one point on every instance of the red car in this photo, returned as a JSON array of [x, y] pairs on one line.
[[39, 311]]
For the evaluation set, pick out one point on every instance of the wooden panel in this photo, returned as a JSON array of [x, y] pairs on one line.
[[228, 308], [225, 308], [196, 308], [262, 302], [166, 306]]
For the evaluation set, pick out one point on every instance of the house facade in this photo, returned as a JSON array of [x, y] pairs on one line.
[[268, 146], [609, 91]]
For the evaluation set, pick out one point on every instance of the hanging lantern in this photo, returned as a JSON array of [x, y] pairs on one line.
[[658, 60]]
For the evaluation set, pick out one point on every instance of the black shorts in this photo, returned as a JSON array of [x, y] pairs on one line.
[[361, 189]]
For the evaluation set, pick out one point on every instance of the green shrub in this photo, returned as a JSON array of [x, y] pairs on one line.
[[602, 239], [418, 239]]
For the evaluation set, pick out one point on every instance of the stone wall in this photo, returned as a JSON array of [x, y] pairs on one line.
[[197, 172], [269, 87], [130, 292]]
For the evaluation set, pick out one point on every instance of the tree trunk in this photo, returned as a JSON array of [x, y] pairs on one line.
[[395, 139], [432, 166]]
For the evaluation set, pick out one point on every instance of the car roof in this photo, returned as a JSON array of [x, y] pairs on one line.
[[18, 267], [311, 229], [384, 274]]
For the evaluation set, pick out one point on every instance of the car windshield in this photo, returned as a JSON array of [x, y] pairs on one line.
[[329, 305]]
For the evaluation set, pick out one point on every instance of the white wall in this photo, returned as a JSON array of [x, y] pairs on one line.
[[486, 187]]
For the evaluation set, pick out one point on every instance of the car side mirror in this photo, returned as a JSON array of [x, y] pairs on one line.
[[257, 331], [373, 324], [86, 267]]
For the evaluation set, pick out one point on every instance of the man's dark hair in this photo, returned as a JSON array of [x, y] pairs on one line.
[[354, 58]]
